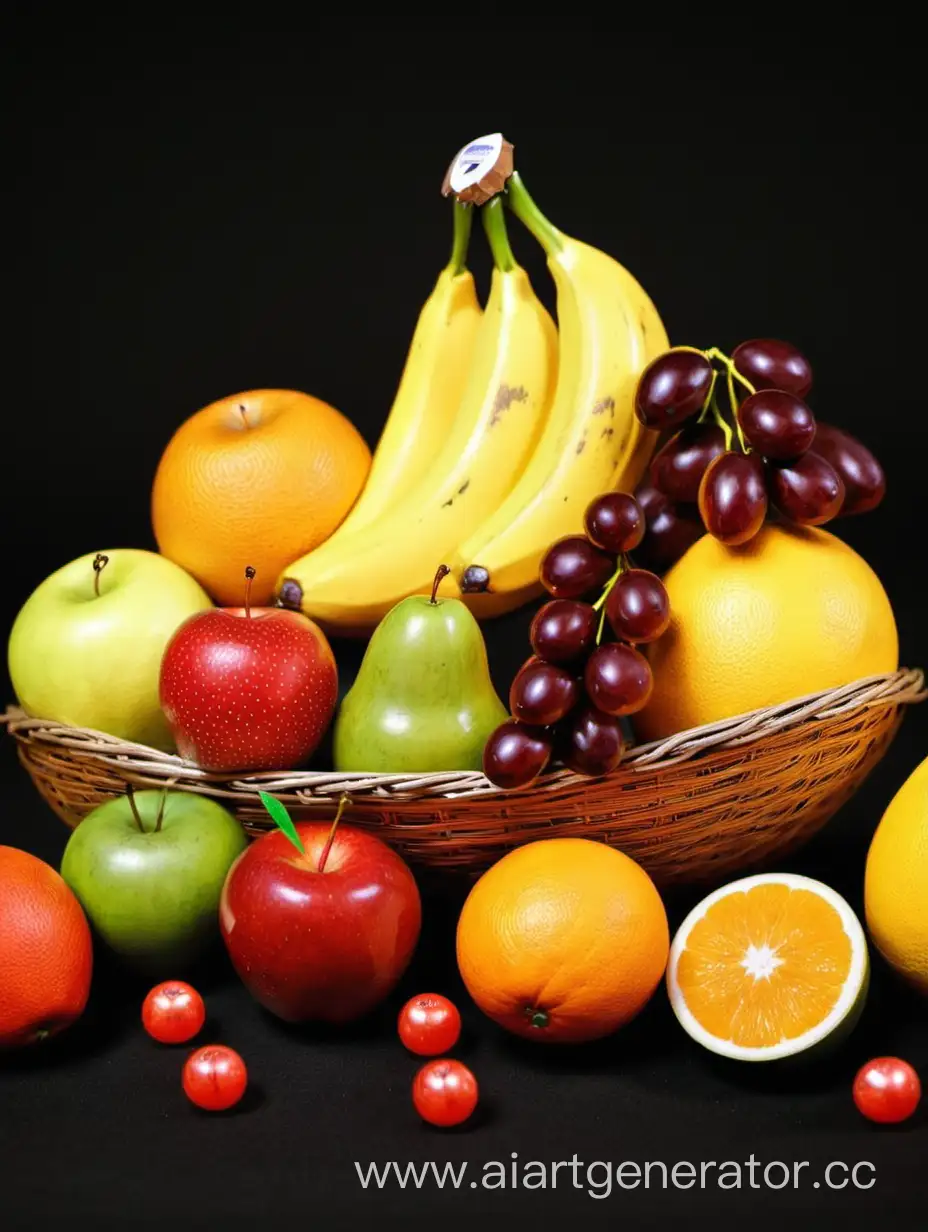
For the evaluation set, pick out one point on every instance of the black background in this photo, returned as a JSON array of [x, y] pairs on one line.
[[209, 210]]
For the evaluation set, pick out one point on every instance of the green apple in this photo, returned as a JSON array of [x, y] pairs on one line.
[[87, 645], [149, 870]]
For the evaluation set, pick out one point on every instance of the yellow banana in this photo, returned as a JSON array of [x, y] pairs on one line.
[[430, 388], [609, 332], [348, 588]]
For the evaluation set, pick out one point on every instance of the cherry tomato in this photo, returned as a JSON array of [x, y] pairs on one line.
[[215, 1077], [173, 1012], [429, 1025], [887, 1090], [444, 1093]]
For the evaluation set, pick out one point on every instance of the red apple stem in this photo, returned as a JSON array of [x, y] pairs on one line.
[[441, 572], [324, 855], [130, 796], [100, 561], [250, 574]]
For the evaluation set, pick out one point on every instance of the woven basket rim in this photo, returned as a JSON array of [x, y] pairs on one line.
[[903, 687]]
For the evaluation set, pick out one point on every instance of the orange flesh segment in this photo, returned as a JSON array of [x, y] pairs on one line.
[[765, 965]]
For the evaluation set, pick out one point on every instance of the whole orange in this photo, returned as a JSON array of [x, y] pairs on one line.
[[564, 940], [256, 479], [46, 953], [794, 611]]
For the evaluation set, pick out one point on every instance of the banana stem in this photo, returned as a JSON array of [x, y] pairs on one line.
[[463, 218], [527, 212], [495, 226]]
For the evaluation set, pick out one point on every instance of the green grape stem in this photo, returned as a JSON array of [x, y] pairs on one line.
[[600, 604], [708, 407], [731, 375]]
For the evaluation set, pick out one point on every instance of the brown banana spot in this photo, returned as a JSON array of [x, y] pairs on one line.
[[460, 492], [603, 405], [505, 396]]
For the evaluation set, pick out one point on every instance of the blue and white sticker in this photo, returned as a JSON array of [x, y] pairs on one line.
[[474, 161]]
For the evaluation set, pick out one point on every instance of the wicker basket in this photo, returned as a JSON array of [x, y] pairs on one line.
[[702, 804]]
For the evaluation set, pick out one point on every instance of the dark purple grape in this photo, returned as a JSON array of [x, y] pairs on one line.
[[651, 500], [671, 530], [808, 491], [638, 607], [515, 755], [541, 694], [615, 522], [770, 364], [592, 743], [572, 567], [733, 499], [777, 424], [669, 537], [862, 476], [672, 388], [564, 631], [618, 679], [678, 468]]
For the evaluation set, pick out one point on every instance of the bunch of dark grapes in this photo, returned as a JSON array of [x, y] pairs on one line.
[[726, 476], [567, 700]]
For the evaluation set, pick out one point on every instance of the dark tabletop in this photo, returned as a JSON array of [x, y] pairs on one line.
[[218, 216]]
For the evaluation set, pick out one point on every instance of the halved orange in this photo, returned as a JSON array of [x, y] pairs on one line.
[[768, 967]]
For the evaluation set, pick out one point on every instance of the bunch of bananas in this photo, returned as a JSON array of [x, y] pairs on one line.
[[502, 430]]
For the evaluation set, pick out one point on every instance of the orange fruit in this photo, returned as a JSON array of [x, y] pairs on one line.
[[768, 967], [794, 611], [46, 953], [563, 940], [256, 479], [896, 881]]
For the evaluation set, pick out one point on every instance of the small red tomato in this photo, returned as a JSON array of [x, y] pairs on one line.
[[215, 1077], [429, 1024], [887, 1090], [444, 1093], [173, 1012]]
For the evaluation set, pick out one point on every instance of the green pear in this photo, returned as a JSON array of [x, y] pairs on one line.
[[423, 699]]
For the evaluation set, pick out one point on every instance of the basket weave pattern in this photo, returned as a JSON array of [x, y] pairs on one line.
[[700, 804]]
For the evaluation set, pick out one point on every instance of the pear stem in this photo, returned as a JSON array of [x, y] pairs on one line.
[[324, 855], [441, 572], [130, 796], [250, 574], [100, 561]]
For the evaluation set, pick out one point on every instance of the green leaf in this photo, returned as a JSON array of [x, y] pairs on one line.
[[282, 818]]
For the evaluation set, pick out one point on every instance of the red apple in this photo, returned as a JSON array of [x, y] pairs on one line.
[[248, 688], [322, 936]]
